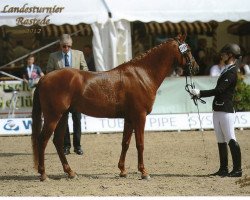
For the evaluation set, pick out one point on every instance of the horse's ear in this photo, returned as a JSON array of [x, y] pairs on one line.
[[182, 37]]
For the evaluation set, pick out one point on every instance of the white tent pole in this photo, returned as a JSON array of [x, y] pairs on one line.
[[11, 76], [107, 7]]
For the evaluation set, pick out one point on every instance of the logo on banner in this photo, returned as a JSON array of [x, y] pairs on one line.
[[11, 126]]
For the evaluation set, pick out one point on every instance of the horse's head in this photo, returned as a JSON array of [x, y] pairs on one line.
[[188, 62]]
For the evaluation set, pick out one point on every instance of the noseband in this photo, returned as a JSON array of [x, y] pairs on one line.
[[184, 49]]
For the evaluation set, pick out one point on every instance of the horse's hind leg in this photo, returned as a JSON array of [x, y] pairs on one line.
[[58, 142], [139, 137], [43, 139], [127, 132]]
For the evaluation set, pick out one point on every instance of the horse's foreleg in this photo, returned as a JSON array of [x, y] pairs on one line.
[[42, 143], [58, 142], [127, 132], [139, 136]]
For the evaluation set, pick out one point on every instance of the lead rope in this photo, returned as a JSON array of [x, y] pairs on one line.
[[183, 49], [195, 99], [202, 133]]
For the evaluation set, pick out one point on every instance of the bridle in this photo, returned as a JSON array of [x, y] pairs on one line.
[[184, 50]]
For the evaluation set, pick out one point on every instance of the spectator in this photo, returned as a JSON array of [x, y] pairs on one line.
[[89, 57], [245, 65], [219, 66], [67, 57], [200, 56], [32, 73], [177, 72]]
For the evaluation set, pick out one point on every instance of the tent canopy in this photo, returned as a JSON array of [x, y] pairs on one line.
[[181, 27], [85, 11], [56, 31], [181, 10], [239, 28]]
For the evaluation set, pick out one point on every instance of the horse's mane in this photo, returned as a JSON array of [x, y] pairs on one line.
[[148, 52]]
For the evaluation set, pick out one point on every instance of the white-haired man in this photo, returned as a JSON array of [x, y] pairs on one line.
[[67, 57]]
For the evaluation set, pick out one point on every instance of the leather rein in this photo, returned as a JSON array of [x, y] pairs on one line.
[[184, 49]]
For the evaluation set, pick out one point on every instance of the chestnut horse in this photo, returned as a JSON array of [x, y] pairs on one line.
[[127, 91]]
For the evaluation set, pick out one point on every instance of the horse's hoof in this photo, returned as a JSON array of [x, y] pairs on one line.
[[145, 177], [123, 175], [73, 176], [44, 178]]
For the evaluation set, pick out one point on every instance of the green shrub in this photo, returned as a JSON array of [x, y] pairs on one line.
[[242, 95]]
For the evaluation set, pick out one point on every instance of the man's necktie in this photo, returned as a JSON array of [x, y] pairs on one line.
[[66, 60]]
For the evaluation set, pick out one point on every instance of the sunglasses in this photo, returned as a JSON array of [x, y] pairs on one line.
[[223, 54], [65, 46]]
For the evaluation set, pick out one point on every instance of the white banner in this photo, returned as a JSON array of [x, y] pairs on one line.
[[242, 120], [168, 122], [153, 123]]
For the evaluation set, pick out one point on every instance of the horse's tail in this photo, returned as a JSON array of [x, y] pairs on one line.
[[36, 125]]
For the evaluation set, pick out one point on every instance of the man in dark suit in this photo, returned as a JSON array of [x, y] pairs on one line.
[[89, 57], [68, 57], [32, 73], [224, 113]]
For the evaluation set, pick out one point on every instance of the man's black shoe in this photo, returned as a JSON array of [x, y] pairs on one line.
[[66, 151], [235, 173], [78, 151], [221, 172]]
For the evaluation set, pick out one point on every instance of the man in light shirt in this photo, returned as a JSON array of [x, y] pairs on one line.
[[219, 66], [67, 57]]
